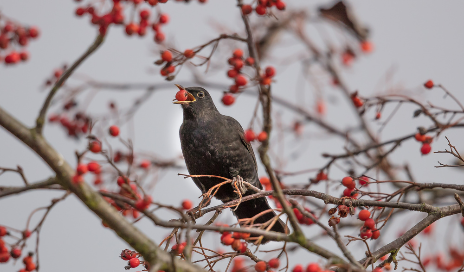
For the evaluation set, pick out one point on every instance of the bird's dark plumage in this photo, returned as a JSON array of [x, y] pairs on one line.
[[214, 144]]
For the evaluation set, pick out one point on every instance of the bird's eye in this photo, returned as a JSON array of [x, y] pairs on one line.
[[201, 94]]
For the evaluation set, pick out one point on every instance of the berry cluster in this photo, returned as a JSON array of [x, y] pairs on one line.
[[170, 62], [303, 219], [133, 259], [237, 63], [234, 240], [116, 16], [263, 6], [12, 34], [455, 261], [350, 185], [250, 136], [56, 75], [262, 266], [312, 267], [425, 140], [179, 248], [348, 55], [15, 252], [75, 125]]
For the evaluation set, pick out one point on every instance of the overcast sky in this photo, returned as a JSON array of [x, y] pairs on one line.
[[414, 41]]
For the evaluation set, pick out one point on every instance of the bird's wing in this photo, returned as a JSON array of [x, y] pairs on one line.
[[235, 126]]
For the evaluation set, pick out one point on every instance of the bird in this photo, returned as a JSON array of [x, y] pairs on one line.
[[214, 144]]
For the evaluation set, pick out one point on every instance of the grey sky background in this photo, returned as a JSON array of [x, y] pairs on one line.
[[414, 41]]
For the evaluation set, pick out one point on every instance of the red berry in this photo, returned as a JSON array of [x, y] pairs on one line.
[[375, 234], [321, 176], [250, 61], [243, 248], [82, 169], [145, 164], [348, 182], [189, 53], [357, 102], [97, 181], [144, 14], [159, 37], [93, 167], [378, 115], [233, 89], [425, 149], [369, 223], [76, 179], [244, 235], [241, 80], [33, 32], [347, 192], [429, 84], [237, 245], [366, 234], [265, 81], [227, 239], [24, 56], [132, 28], [274, 263], [261, 10], [247, 9], [262, 136], [298, 268], [26, 234], [238, 64], [238, 53], [260, 266], [419, 137], [270, 71], [181, 95], [166, 55], [134, 262], [363, 180], [313, 267], [232, 73], [95, 147], [377, 269], [30, 266], [4, 257], [121, 181], [320, 107], [228, 99], [114, 131], [249, 135], [265, 181], [16, 252], [364, 215], [280, 5], [163, 19], [187, 205], [366, 46]]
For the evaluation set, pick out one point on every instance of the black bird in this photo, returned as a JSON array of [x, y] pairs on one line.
[[214, 144]]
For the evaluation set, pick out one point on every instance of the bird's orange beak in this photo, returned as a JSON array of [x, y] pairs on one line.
[[190, 97]]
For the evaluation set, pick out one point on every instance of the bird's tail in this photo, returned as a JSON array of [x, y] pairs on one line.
[[251, 208]]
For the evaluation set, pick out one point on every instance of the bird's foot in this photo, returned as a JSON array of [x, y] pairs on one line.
[[240, 184]]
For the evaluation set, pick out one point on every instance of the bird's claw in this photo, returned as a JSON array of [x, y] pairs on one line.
[[240, 183]]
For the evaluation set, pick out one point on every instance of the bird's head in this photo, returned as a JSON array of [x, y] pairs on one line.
[[197, 100]]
